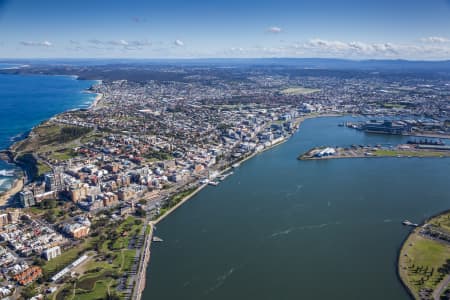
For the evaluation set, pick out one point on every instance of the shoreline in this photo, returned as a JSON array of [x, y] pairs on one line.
[[363, 156], [146, 257], [16, 187], [403, 246], [13, 190], [298, 122], [96, 101]]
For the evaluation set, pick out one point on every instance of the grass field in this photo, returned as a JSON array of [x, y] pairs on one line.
[[64, 154], [442, 221], [420, 260], [50, 137], [393, 105], [57, 264], [422, 153], [42, 168], [299, 91], [112, 260]]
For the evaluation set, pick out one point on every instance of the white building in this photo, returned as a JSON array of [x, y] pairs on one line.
[[51, 253], [326, 152]]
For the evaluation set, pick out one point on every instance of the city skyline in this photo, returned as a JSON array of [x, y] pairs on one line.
[[418, 30]]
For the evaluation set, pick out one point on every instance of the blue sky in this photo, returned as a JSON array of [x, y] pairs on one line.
[[410, 29]]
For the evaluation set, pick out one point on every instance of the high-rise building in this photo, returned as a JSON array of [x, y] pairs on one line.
[[13, 216], [50, 181], [54, 181], [26, 198], [3, 219]]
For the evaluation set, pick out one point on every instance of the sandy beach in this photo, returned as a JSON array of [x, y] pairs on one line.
[[96, 101], [15, 188]]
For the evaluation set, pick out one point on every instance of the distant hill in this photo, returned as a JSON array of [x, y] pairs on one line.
[[316, 63]]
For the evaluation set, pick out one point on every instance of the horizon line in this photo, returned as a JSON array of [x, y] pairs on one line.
[[229, 58]]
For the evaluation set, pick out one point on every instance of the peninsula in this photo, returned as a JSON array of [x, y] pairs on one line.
[[377, 151], [424, 259]]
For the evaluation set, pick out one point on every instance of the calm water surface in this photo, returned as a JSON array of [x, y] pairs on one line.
[[280, 228]]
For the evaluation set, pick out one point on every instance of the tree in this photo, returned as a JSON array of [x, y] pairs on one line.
[[49, 203], [140, 212], [28, 291], [38, 261], [49, 216], [112, 296]]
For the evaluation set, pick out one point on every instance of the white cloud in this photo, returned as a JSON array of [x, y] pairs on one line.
[[140, 43], [435, 39], [118, 43], [274, 29], [342, 49], [95, 41], [319, 47], [179, 43], [355, 48], [36, 44]]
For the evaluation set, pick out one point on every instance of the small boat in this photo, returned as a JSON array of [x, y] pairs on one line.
[[236, 165], [409, 223], [214, 183], [224, 176], [157, 239]]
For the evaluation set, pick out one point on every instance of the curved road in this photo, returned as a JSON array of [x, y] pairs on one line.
[[441, 288]]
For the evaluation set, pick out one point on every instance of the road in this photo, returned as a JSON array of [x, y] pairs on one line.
[[441, 288]]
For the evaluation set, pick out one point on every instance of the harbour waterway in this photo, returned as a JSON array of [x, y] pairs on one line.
[[280, 228]]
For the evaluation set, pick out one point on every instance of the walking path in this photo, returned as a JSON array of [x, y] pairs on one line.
[[441, 288]]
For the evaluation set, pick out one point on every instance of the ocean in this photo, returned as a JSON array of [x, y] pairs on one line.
[[27, 100]]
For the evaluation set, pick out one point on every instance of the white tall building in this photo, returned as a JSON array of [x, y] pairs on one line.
[[51, 253]]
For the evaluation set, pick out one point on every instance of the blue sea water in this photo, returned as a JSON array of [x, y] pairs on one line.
[[8, 66], [27, 100]]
